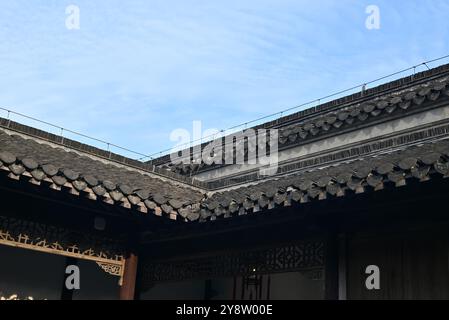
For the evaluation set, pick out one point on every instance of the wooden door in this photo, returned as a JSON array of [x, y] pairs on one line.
[[413, 265]]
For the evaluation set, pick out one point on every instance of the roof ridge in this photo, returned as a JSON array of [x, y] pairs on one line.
[[370, 93]]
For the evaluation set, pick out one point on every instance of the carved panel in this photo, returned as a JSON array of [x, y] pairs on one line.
[[305, 256], [108, 253]]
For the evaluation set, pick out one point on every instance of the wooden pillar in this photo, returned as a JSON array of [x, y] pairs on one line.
[[331, 268], [127, 290], [342, 267]]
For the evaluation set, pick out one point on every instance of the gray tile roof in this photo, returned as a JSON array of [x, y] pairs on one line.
[[61, 167], [361, 112], [66, 165], [420, 162]]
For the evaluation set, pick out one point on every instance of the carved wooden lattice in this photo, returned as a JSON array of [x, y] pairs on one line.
[[307, 257], [107, 253]]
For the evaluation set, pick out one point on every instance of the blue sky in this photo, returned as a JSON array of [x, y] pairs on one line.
[[136, 70]]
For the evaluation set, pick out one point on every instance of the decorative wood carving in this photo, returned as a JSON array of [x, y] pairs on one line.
[[306, 257], [107, 253]]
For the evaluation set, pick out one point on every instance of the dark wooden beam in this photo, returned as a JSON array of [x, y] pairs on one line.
[[128, 288], [11, 189]]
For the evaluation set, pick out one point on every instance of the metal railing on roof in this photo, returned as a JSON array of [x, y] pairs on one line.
[[361, 87], [63, 132]]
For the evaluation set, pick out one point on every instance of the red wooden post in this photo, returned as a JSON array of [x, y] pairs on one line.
[[128, 287]]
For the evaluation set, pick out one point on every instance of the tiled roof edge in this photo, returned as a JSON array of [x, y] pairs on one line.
[[327, 106], [420, 163], [91, 150], [367, 94]]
